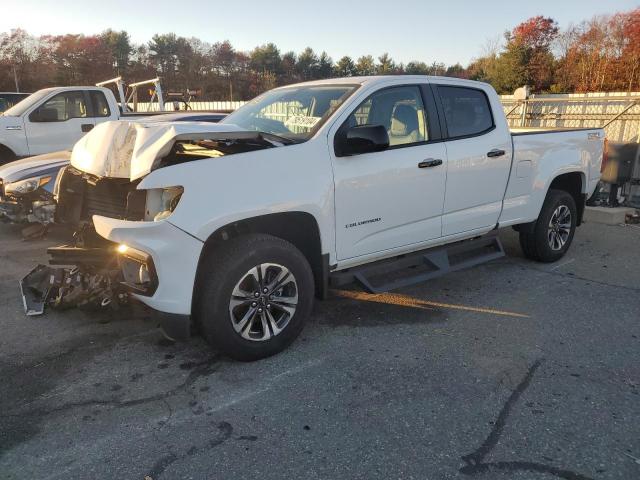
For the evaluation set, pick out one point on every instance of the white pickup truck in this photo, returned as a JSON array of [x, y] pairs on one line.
[[238, 224], [53, 119]]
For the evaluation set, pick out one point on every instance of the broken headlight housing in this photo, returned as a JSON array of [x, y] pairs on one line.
[[25, 186], [161, 202]]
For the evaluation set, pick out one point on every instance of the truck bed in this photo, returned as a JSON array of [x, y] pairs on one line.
[[516, 131], [540, 155]]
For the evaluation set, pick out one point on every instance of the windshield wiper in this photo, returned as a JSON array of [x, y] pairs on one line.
[[278, 138]]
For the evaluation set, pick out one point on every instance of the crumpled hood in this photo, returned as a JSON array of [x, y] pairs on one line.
[[128, 149], [34, 166]]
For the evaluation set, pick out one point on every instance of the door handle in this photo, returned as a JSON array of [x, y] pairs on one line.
[[430, 162], [496, 153], [86, 127]]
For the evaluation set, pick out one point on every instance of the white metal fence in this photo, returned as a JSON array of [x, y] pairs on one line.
[[206, 106], [617, 112]]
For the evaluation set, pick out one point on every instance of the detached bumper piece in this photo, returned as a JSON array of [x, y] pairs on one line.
[[94, 282], [100, 277], [35, 288], [64, 288]]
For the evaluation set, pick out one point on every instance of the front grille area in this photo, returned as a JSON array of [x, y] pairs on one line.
[[108, 200], [82, 195]]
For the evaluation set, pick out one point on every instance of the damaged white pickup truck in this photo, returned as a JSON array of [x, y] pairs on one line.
[[385, 181]]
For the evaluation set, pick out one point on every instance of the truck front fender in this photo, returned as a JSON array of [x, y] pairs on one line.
[[13, 137], [236, 188]]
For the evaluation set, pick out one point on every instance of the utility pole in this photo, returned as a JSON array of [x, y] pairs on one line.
[[15, 78]]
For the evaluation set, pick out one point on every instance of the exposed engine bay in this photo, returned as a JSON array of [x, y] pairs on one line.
[[81, 195]]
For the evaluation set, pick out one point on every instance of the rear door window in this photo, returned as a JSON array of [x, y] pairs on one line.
[[100, 105], [466, 111]]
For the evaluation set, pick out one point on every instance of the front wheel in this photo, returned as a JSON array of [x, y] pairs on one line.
[[553, 231], [254, 296], [6, 155]]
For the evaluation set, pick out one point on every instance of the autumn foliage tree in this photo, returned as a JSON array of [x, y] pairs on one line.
[[600, 54], [604, 54], [526, 59]]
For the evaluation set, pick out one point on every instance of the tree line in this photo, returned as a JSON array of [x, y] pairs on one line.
[[601, 54]]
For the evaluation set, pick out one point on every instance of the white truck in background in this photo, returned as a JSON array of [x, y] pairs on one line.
[[54, 119], [385, 181]]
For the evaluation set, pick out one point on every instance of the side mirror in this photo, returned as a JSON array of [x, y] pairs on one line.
[[363, 139]]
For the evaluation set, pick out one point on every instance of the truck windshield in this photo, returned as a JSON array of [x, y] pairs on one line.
[[293, 113], [21, 107], [8, 100]]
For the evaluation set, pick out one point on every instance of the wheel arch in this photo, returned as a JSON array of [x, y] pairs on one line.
[[298, 227], [6, 153], [575, 184]]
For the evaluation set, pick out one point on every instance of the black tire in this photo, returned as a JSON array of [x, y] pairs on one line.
[[6, 155], [536, 244], [223, 271]]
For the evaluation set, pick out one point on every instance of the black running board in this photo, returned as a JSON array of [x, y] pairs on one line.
[[418, 267]]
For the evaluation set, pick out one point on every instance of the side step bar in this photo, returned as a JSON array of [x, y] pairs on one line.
[[417, 267]]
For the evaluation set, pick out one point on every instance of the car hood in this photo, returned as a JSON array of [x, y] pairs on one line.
[[126, 149], [34, 166]]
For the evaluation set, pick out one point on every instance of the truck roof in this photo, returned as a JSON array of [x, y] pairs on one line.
[[382, 79], [77, 87]]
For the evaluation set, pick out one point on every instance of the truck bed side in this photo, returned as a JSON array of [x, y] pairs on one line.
[[539, 158]]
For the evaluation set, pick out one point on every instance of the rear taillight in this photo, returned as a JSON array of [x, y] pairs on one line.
[[605, 155]]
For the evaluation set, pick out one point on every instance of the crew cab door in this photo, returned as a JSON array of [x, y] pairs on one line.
[[100, 111], [391, 198], [479, 154], [59, 122]]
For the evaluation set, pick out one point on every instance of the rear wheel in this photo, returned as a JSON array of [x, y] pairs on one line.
[[254, 297], [553, 231]]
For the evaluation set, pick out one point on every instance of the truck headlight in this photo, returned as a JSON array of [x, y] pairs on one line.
[[161, 202], [27, 185]]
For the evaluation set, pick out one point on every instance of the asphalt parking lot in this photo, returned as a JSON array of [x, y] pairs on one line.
[[510, 370]]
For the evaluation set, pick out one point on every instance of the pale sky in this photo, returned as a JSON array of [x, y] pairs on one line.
[[445, 31]]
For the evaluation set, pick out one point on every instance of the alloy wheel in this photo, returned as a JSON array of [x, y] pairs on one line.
[[559, 227], [263, 302]]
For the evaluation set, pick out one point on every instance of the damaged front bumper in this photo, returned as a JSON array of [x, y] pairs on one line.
[[64, 288], [169, 255], [154, 262], [82, 277]]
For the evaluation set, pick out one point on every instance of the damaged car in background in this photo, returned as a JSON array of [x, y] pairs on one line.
[[384, 181], [26, 191]]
